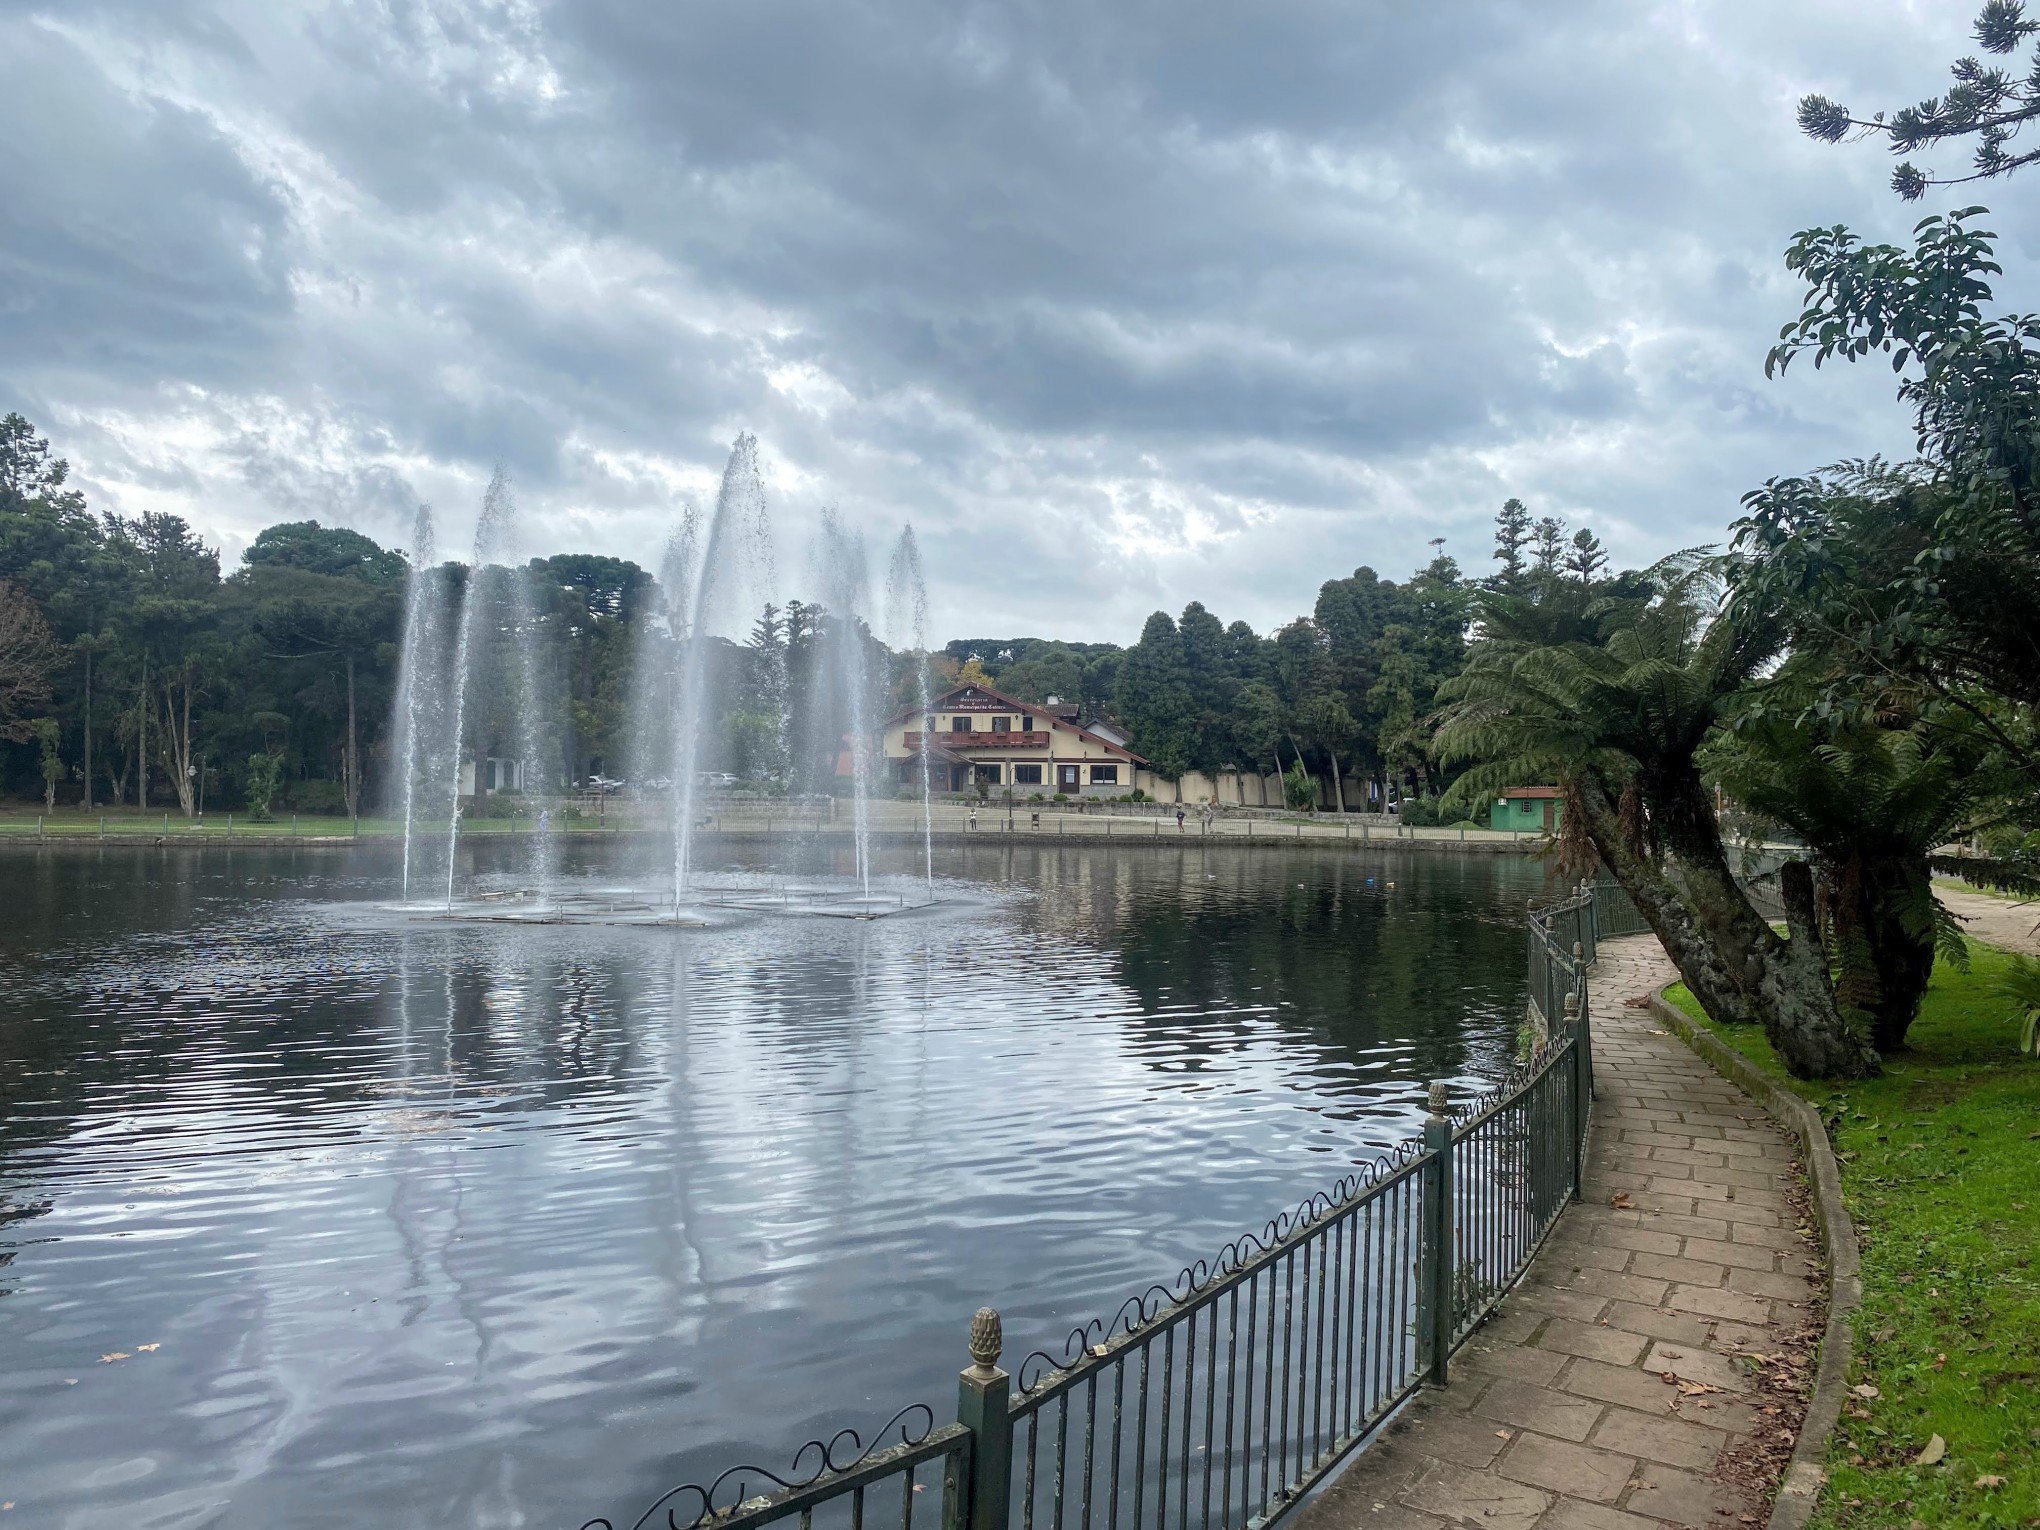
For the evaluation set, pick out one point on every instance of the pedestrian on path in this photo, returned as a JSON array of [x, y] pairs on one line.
[[1179, 820]]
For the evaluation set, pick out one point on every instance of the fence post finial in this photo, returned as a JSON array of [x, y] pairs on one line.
[[987, 1339], [1440, 1098]]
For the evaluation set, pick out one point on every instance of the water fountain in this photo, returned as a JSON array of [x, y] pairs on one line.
[[490, 533], [417, 673], [494, 649], [906, 622]]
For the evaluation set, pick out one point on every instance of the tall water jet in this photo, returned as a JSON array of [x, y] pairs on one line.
[[491, 530], [739, 502], [906, 620], [655, 671], [531, 733], [845, 574], [423, 621]]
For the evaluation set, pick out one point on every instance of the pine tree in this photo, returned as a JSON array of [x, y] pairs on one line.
[[1512, 535], [1586, 558], [1548, 552]]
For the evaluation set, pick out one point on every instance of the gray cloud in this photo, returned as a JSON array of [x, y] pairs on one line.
[[1123, 304]]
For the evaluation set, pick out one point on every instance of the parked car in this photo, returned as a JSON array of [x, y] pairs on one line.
[[602, 786], [716, 778]]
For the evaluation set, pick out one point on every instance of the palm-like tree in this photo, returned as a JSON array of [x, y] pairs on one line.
[[1872, 804], [1617, 711]]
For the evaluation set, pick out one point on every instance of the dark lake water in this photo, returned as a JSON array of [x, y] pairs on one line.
[[314, 1216]]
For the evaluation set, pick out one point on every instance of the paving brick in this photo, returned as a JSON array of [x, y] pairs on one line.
[[1640, 1239], [1623, 1384], [1617, 1286], [1524, 1406], [1763, 1231], [1712, 1302], [1558, 1301], [1690, 1364], [1592, 1341], [1706, 1225], [1571, 1514], [1667, 1440], [1791, 1288], [1476, 1498], [1512, 1361], [1741, 1255], [1686, 1498], [1577, 1471], [1690, 1272], [1459, 1438], [1684, 1328]]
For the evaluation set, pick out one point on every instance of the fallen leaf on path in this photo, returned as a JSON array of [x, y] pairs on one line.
[[1866, 1390], [119, 1354], [1990, 1480], [1935, 1453]]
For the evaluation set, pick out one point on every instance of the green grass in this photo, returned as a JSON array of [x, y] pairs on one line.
[[1940, 1162], [70, 822]]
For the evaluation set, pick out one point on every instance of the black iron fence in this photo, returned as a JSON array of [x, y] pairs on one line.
[[1221, 1398]]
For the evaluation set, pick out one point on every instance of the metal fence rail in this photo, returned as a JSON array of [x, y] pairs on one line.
[[1220, 1399]]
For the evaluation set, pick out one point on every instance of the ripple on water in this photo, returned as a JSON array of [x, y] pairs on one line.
[[392, 1221]]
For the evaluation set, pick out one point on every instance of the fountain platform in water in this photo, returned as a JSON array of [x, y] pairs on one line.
[[654, 908]]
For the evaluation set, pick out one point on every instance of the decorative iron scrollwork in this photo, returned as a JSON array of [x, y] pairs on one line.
[[1138, 1313], [730, 1492]]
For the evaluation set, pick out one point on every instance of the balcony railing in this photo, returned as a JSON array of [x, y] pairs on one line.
[[976, 740]]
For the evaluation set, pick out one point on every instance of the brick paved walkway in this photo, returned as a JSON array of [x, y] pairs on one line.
[[1683, 1248]]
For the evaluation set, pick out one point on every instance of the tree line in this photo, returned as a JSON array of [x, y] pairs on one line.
[[136, 672]]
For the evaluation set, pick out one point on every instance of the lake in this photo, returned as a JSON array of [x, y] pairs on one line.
[[315, 1214]]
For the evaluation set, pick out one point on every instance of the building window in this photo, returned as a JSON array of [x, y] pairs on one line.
[[959, 725], [1066, 775], [928, 724], [1104, 775], [1027, 775], [1002, 725], [988, 773]]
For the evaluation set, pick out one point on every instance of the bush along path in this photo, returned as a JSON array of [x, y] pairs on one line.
[[1652, 1368], [1940, 1168]]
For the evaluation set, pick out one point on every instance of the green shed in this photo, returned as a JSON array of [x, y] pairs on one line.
[[1535, 809]]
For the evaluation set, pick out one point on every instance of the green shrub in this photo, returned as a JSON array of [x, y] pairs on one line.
[[312, 796], [1420, 812], [265, 775], [1136, 795]]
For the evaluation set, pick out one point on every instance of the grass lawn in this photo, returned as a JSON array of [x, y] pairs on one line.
[[1940, 1163], [70, 821]]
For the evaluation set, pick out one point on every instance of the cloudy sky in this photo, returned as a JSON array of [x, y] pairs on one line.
[[1121, 303]]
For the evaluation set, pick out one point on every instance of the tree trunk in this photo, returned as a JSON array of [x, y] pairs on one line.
[[353, 758], [88, 729], [1714, 982], [1736, 964], [142, 744], [176, 732], [1338, 782], [1887, 946]]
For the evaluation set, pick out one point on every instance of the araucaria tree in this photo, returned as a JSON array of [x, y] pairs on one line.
[[1985, 105]]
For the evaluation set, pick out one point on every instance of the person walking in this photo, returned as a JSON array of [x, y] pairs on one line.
[[1179, 818], [973, 816]]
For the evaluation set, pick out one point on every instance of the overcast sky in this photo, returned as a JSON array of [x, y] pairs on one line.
[[1121, 303]]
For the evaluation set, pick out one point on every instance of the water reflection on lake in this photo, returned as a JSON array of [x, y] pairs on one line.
[[404, 1223]]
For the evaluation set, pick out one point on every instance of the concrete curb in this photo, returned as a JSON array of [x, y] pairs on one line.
[[1806, 1474]]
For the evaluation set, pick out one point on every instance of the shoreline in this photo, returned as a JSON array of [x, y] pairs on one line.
[[1093, 832]]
